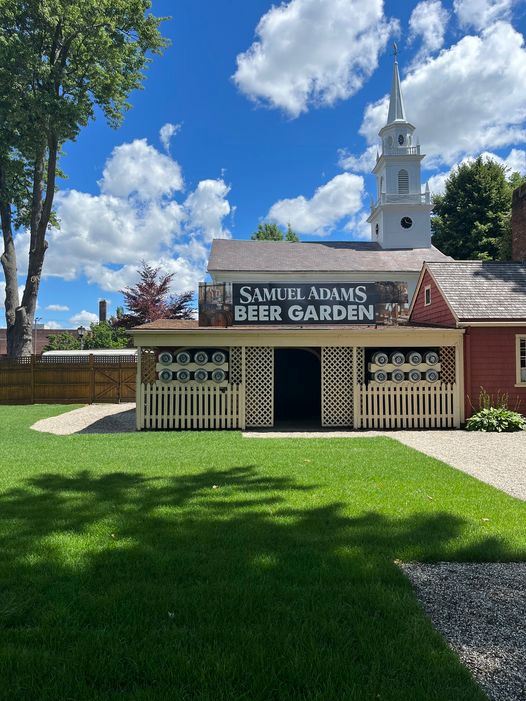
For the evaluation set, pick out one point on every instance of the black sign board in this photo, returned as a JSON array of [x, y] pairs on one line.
[[317, 303]]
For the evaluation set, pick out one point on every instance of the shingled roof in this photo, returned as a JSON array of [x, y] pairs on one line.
[[482, 291], [228, 255]]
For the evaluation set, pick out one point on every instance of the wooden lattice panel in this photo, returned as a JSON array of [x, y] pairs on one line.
[[236, 368], [148, 362], [447, 364], [336, 386], [259, 382]]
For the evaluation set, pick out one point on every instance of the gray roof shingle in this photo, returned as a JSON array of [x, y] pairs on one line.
[[228, 255], [479, 290]]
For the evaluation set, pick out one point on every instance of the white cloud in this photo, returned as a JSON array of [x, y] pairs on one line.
[[466, 100], [57, 308], [84, 318], [428, 21], [53, 325], [313, 52], [136, 217], [207, 206], [340, 198], [167, 132], [515, 161], [481, 13], [363, 163], [140, 169]]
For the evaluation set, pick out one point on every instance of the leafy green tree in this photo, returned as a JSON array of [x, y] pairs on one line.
[[100, 335], [472, 218], [61, 61], [62, 341], [272, 232], [105, 335]]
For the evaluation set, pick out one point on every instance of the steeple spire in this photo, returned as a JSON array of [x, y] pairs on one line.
[[396, 102]]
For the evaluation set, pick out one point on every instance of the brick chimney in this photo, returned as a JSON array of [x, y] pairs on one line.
[[518, 224], [103, 310]]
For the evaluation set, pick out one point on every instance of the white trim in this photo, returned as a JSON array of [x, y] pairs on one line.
[[511, 322], [427, 289], [518, 339]]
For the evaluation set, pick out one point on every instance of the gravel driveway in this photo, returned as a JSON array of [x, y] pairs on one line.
[[480, 609], [92, 418]]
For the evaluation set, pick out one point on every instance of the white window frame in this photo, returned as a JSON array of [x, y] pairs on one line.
[[427, 289], [519, 340]]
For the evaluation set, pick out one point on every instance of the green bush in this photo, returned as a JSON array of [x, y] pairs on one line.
[[499, 419]]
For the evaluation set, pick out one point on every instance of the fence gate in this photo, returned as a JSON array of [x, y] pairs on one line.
[[59, 380]]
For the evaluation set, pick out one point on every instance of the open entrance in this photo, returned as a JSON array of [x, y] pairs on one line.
[[297, 386]]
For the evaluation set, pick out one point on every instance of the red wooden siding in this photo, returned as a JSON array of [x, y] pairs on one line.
[[490, 362], [435, 314]]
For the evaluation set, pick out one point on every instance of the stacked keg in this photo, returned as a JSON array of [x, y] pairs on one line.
[[193, 365], [399, 366]]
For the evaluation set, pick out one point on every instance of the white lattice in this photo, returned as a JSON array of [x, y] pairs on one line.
[[259, 384], [360, 365], [336, 386], [236, 369], [447, 364]]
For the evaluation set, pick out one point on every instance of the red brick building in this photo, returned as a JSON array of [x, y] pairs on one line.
[[488, 301]]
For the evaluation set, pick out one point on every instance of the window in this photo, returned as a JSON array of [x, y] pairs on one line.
[[521, 360], [403, 182], [377, 230], [427, 295]]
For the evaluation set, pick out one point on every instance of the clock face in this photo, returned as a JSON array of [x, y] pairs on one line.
[[406, 222], [400, 139]]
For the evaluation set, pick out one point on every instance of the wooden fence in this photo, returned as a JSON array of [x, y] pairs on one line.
[[190, 407], [56, 380], [419, 405]]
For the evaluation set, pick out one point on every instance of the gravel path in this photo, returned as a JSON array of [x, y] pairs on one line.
[[498, 459], [480, 609], [92, 418]]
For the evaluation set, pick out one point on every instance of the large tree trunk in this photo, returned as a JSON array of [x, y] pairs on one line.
[[8, 259], [20, 337]]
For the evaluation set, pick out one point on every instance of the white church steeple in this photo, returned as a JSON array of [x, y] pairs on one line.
[[396, 101], [401, 216]]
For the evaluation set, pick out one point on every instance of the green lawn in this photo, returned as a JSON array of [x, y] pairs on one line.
[[202, 566]]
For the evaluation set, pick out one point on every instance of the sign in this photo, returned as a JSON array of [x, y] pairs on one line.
[[316, 303]]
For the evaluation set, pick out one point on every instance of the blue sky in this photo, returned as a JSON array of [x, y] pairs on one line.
[[274, 112]]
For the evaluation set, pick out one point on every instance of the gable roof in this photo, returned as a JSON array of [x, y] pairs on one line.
[[228, 255], [482, 291]]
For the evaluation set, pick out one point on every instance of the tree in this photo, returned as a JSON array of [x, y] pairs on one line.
[[150, 300], [272, 232], [60, 61], [101, 334], [472, 218], [62, 341]]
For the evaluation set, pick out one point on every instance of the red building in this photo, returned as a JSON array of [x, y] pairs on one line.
[[488, 301]]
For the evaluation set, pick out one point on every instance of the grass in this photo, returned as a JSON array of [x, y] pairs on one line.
[[202, 566]]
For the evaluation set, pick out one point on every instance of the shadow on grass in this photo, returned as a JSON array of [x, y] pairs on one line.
[[211, 586]]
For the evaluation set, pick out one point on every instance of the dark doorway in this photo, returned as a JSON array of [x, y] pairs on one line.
[[297, 386]]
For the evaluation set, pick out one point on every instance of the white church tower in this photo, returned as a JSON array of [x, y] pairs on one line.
[[401, 216]]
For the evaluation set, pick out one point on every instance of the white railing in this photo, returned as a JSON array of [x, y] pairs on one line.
[[418, 405], [402, 151], [407, 198], [183, 407]]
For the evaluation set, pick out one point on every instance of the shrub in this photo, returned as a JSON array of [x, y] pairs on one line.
[[498, 419]]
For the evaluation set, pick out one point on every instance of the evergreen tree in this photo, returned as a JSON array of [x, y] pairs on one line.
[[272, 232], [472, 218], [150, 300]]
